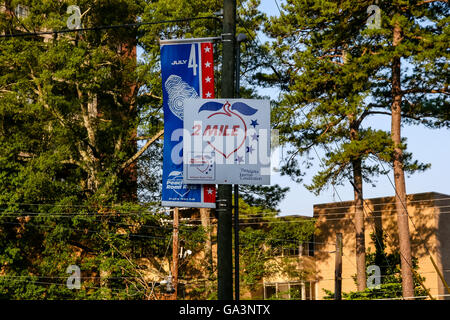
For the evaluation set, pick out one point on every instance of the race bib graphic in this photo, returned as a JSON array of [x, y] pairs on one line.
[[227, 141]]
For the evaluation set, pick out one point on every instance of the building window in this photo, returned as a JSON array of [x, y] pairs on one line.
[[310, 291], [21, 11], [289, 252], [270, 291], [295, 291], [308, 247], [311, 248], [290, 290], [300, 249], [283, 291]]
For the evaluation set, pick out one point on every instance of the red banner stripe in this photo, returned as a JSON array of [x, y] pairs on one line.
[[207, 65], [207, 71], [209, 193]]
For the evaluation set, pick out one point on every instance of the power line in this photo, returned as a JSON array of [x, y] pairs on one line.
[[126, 25], [260, 220], [420, 236], [386, 211], [88, 231], [108, 222], [160, 266], [371, 200], [276, 2], [65, 285], [166, 210]]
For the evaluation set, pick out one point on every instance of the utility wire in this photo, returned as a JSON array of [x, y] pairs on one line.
[[164, 209], [126, 25], [419, 234], [86, 230], [261, 222], [389, 211]]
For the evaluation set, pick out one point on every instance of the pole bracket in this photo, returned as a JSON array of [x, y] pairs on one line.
[[227, 37]]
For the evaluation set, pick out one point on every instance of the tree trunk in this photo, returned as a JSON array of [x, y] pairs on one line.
[[399, 175], [175, 254], [359, 226], [359, 216], [205, 216]]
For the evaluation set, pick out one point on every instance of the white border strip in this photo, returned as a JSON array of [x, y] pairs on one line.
[[211, 205], [175, 41]]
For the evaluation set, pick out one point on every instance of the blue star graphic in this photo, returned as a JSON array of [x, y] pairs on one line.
[[255, 137], [239, 159], [254, 123], [250, 149]]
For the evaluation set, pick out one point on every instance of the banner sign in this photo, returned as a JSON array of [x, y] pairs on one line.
[[227, 141], [187, 72]]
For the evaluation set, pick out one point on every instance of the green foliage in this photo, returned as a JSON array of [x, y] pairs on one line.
[[66, 126], [335, 74], [263, 235], [262, 241], [70, 108], [263, 196]]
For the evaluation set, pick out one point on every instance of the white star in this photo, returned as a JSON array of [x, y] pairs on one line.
[[208, 79], [207, 49], [210, 191], [208, 64], [208, 94]]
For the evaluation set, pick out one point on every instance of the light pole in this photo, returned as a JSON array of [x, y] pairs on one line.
[[225, 192], [241, 37]]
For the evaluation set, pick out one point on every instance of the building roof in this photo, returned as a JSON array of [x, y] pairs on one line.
[[295, 216], [411, 196]]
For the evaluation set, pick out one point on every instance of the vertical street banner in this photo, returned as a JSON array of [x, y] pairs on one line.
[[187, 72]]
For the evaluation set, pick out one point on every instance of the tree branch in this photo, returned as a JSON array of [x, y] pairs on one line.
[[430, 1], [419, 90], [378, 112], [405, 115], [140, 152], [150, 94]]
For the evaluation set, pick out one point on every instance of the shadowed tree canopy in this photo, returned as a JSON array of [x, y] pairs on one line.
[[75, 109]]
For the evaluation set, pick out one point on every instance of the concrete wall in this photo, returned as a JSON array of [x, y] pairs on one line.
[[442, 203]]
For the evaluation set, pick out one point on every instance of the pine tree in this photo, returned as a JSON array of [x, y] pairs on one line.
[[417, 35], [336, 72]]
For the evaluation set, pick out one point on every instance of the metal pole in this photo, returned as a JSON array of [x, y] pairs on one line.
[[175, 253], [225, 192], [240, 38], [236, 242]]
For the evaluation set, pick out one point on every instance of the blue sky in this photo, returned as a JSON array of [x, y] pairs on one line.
[[426, 145]]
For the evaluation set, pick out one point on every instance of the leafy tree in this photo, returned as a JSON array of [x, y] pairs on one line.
[[71, 107], [263, 196], [78, 93], [325, 101], [262, 236], [415, 32]]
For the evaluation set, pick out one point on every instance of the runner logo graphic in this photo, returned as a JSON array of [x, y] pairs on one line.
[[178, 91]]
